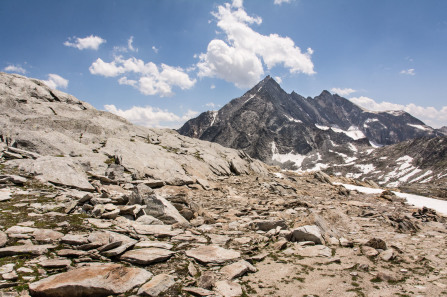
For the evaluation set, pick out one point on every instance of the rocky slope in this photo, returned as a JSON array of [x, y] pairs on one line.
[[302, 133], [91, 205], [419, 165]]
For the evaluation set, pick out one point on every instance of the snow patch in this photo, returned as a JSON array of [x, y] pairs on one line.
[[354, 132], [420, 127], [365, 168], [214, 117], [292, 119], [375, 144], [322, 127], [416, 200], [428, 172], [295, 158], [352, 147]]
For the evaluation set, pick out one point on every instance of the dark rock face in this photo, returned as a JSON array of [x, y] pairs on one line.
[[266, 121]]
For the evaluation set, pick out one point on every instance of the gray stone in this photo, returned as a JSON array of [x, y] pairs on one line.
[[157, 285], [163, 210], [95, 280], [212, 254], [146, 256], [207, 280], [387, 255], [156, 230], [306, 233], [148, 220]]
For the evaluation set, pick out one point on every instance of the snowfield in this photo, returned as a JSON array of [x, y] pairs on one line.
[[416, 200]]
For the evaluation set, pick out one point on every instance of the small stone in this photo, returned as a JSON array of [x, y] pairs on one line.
[[25, 249], [237, 269], [157, 285], [386, 277], [7, 268], [369, 251], [47, 235], [3, 239], [154, 244], [25, 270], [207, 280], [387, 255], [280, 245], [11, 276], [71, 253], [192, 270], [376, 243]]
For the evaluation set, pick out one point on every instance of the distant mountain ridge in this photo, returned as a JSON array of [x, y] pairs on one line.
[[302, 133]]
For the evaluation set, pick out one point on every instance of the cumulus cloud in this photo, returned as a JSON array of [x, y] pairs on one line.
[[152, 116], [151, 79], [130, 45], [279, 2], [429, 115], [241, 57], [89, 42], [408, 71], [56, 81], [343, 92], [15, 69]]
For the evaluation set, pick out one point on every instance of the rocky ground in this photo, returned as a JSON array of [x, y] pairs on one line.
[[281, 234]]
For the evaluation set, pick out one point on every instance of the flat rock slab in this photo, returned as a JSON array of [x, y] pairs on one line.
[[154, 244], [5, 194], [47, 235], [157, 285], [156, 230], [199, 291], [97, 280], [212, 254], [25, 249], [146, 256], [55, 263], [228, 289], [74, 239]]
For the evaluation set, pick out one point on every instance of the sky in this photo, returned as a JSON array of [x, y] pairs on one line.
[[160, 63]]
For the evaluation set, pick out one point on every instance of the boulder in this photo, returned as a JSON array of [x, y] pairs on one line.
[[306, 233], [95, 280], [163, 210]]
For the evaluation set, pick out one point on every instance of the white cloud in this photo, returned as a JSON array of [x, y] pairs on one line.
[[210, 104], [278, 79], [151, 116], [212, 87], [155, 49], [151, 79], [429, 115], [15, 69], [130, 45], [55, 81], [89, 42], [279, 2], [408, 72], [343, 92], [240, 58]]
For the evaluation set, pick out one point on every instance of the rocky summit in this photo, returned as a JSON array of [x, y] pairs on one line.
[[302, 133], [91, 205]]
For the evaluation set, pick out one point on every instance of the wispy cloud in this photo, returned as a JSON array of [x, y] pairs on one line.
[[155, 49], [56, 81], [152, 116], [343, 92], [429, 115], [89, 42], [279, 2], [408, 71], [15, 69]]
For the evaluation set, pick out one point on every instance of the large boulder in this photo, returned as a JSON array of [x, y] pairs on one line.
[[306, 233]]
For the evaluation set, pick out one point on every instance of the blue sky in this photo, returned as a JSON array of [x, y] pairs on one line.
[[159, 63]]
